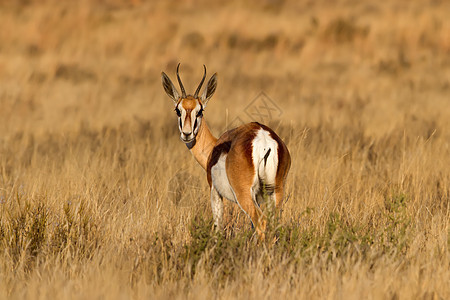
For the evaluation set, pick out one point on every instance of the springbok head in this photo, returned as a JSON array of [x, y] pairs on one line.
[[189, 108]]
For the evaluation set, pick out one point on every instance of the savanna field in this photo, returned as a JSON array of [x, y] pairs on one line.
[[99, 199]]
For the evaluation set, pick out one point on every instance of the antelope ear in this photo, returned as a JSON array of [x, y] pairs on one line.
[[170, 89], [210, 89]]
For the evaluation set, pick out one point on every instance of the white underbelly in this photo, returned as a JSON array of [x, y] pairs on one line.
[[220, 179]]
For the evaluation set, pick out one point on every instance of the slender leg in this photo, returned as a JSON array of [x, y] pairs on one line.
[[248, 206], [217, 208], [279, 194], [260, 200], [241, 175]]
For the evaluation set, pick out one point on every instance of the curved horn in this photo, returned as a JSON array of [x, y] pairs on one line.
[[201, 82], [183, 92]]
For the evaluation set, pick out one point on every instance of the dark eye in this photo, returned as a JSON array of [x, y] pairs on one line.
[[178, 112], [200, 113]]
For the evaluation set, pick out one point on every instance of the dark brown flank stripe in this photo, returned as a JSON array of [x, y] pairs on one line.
[[215, 155], [241, 139], [238, 139]]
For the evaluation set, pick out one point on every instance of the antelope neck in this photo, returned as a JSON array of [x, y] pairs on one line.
[[203, 144]]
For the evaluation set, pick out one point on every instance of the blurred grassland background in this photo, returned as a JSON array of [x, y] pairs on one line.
[[100, 200]]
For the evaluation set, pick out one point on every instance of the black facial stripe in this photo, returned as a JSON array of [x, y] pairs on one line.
[[178, 111], [195, 124], [181, 125]]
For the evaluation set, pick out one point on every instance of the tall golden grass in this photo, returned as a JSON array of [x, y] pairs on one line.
[[100, 200]]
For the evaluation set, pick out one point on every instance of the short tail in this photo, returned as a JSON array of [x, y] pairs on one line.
[[265, 160], [267, 171], [266, 156]]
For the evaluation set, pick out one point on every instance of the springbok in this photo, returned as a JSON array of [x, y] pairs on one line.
[[246, 165]]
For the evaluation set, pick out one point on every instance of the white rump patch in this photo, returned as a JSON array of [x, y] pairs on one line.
[[265, 162]]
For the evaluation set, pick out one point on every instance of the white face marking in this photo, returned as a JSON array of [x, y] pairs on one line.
[[189, 119]]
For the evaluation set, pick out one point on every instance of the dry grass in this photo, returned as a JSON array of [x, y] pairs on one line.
[[99, 199]]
